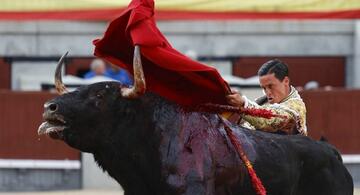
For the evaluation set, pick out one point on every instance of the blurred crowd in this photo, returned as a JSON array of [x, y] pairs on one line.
[[98, 67]]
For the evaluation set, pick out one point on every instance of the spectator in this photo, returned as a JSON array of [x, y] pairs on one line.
[[98, 68], [311, 85], [119, 74]]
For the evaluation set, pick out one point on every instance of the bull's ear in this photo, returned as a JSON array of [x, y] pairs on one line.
[[59, 85], [139, 80]]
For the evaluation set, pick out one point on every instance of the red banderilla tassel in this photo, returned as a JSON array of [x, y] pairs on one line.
[[256, 182], [256, 112]]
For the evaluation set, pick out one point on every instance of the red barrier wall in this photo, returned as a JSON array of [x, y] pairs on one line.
[[20, 117], [336, 115]]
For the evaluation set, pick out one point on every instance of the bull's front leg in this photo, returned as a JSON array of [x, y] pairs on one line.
[[192, 173], [189, 184]]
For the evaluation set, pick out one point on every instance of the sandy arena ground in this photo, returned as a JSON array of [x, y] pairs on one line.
[[87, 192]]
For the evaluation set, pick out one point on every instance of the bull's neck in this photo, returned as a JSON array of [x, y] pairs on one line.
[[132, 153]]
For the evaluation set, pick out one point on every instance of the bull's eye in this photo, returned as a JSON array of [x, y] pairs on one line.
[[100, 96]]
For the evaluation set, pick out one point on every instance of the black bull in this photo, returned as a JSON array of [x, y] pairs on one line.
[[155, 147]]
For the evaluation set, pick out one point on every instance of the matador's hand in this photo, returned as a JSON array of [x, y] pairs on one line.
[[235, 99]]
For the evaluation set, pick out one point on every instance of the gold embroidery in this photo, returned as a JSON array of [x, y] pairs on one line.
[[292, 107]]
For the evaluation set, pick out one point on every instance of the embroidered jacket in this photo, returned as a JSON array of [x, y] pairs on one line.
[[292, 107]]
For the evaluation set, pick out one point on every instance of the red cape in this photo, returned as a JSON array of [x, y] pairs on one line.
[[167, 72]]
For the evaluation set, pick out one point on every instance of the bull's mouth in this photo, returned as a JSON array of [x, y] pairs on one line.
[[53, 127]]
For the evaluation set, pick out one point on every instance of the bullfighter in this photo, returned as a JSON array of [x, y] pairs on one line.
[[280, 98]]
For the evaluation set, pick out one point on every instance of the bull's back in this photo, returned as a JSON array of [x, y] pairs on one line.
[[297, 164], [324, 171]]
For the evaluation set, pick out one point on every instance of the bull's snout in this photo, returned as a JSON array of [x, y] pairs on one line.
[[54, 122], [51, 107]]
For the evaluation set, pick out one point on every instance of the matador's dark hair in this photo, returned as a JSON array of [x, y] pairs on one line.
[[279, 68]]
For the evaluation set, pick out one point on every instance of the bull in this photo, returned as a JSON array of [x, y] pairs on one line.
[[152, 146]]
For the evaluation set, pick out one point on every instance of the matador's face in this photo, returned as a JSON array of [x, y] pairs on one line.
[[275, 89]]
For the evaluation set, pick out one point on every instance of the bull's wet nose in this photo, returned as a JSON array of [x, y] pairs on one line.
[[51, 107]]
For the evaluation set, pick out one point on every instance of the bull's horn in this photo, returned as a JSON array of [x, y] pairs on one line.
[[139, 80], [59, 85]]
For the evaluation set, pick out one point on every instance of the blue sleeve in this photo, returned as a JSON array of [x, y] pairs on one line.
[[89, 74]]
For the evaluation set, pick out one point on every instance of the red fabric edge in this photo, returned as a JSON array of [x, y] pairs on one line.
[[107, 14]]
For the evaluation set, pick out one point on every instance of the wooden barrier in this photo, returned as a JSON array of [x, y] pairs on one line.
[[301, 69], [20, 117], [5, 74], [335, 114]]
